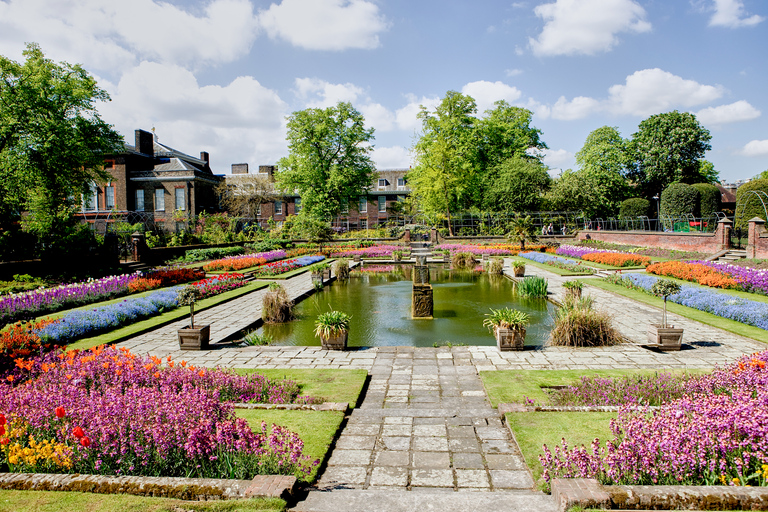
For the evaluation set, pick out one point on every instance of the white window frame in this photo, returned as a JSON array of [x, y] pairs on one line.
[[345, 206], [363, 223], [278, 207], [109, 197], [400, 182], [183, 198], [382, 183], [363, 204], [382, 204], [140, 200], [91, 199], [159, 199]]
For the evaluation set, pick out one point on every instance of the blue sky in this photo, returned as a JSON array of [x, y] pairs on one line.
[[221, 75]]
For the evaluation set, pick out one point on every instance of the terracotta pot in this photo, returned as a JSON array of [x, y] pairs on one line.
[[665, 338], [195, 339], [519, 271], [510, 339], [335, 342]]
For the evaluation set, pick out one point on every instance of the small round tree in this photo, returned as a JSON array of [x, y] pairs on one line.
[[664, 288], [679, 200], [749, 203], [634, 207], [710, 198], [187, 297]]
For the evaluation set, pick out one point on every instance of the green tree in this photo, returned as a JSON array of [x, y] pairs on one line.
[[707, 173], [518, 186], [604, 150], [521, 229], [667, 148], [595, 191], [505, 131], [52, 141], [329, 160], [679, 200], [445, 177]]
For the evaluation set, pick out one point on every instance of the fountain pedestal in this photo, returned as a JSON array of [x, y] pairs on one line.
[[422, 304]]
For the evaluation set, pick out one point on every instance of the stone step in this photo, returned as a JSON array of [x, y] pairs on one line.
[[352, 500]]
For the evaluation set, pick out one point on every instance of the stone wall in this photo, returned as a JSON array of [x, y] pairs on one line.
[[757, 246]]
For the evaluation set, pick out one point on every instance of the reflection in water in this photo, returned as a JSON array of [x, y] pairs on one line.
[[380, 305]]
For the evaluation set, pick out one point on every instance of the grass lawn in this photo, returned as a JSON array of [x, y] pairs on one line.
[[694, 314], [508, 386], [49, 501], [329, 385], [154, 322], [549, 268], [316, 428], [534, 429]]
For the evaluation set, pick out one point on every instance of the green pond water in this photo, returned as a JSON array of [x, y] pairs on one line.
[[380, 306]]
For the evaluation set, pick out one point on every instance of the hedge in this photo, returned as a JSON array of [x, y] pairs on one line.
[[709, 199], [680, 199], [634, 207], [749, 205]]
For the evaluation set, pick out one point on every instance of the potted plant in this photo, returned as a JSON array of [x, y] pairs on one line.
[[518, 267], [193, 337], [333, 330], [573, 289], [508, 325], [664, 336], [326, 268], [317, 274]]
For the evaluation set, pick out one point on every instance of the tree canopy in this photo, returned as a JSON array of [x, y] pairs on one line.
[[329, 161], [667, 148], [52, 139], [518, 186]]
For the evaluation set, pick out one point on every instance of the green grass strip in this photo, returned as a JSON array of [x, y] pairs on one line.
[[55, 501], [725, 324], [535, 429], [149, 324], [316, 428], [330, 385], [550, 268], [514, 386]]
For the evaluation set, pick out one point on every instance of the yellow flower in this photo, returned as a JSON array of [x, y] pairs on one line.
[[723, 481], [735, 481]]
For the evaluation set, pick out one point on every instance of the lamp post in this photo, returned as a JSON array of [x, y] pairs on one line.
[[658, 214]]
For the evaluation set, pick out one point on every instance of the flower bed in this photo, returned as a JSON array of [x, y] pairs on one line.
[[281, 267], [109, 412], [491, 249], [244, 261], [376, 251], [716, 434], [374, 268], [554, 261], [618, 259], [750, 279], [595, 391], [163, 277], [695, 272], [577, 251], [746, 311]]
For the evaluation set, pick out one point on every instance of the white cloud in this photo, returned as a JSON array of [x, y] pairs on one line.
[[651, 91], [486, 93], [755, 148], [733, 113], [243, 120], [731, 14], [316, 93], [325, 24], [110, 35], [578, 108], [513, 72], [558, 158], [392, 157], [407, 117], [378, 116], [586, 26]]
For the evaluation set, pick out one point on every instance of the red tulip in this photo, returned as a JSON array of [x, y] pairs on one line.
[[2, 430], [2, 419], [60, 412], [4, 441], [85, 442], [78, 432]]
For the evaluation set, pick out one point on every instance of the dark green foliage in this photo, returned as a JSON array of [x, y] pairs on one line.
[[533, 287], [680, 199], [634, 207], [748, 202], [463, 261], [212, 253], [517, 185], [709, 199]]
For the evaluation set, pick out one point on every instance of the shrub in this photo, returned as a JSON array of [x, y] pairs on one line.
[[634, 207], [341, 269], [577, 324], [709, 199], [276, 307], [532, 287], [495, 266], [748, 205], [212, 253], [463, 261], [680, 199]]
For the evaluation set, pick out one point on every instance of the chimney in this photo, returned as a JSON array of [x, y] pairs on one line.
[[145, 143], [205, 157], [269, 170], [239, 168]]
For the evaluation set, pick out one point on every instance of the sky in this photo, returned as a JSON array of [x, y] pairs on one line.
[[222, 75]]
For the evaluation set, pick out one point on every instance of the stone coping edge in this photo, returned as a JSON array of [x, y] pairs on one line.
[[188, 489], [325, 406], [515, 407], [589, 493]]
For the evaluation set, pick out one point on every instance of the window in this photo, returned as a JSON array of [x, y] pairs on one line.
[[363, 204], [278, 207], [297, 203], [180, 203], [363, 223], [345, 206], [382, 203], [160, 199], [400, 182], [109, 197], [90, 200], [139, 200], [382, 183]]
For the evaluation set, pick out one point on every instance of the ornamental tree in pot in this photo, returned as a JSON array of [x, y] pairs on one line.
[[333, 330], [664, 336], [508, 325], [193, 337]]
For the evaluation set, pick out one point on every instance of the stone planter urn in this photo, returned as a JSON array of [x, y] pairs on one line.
[[519, 271], [510, 339], [338, 342], [195, 339], [665, 338], [317, 277]]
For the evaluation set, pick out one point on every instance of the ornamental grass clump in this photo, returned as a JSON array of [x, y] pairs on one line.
[[341, 269], [331, 324], [532, 287], [495, 266], [112, 412], [506, 318], [276, 307], [578, 324], [463, 261]]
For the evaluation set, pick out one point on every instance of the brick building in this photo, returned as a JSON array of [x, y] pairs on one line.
[[372, 208], [159, 183]]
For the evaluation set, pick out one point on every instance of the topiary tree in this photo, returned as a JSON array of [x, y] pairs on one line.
[[709, 199], [680, 199], [634, 207], [749, 204]]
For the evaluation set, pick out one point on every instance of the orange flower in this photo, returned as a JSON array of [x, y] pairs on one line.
[[156, 375], [201, 373]]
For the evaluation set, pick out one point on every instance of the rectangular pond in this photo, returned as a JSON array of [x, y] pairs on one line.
[[380, 306]]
